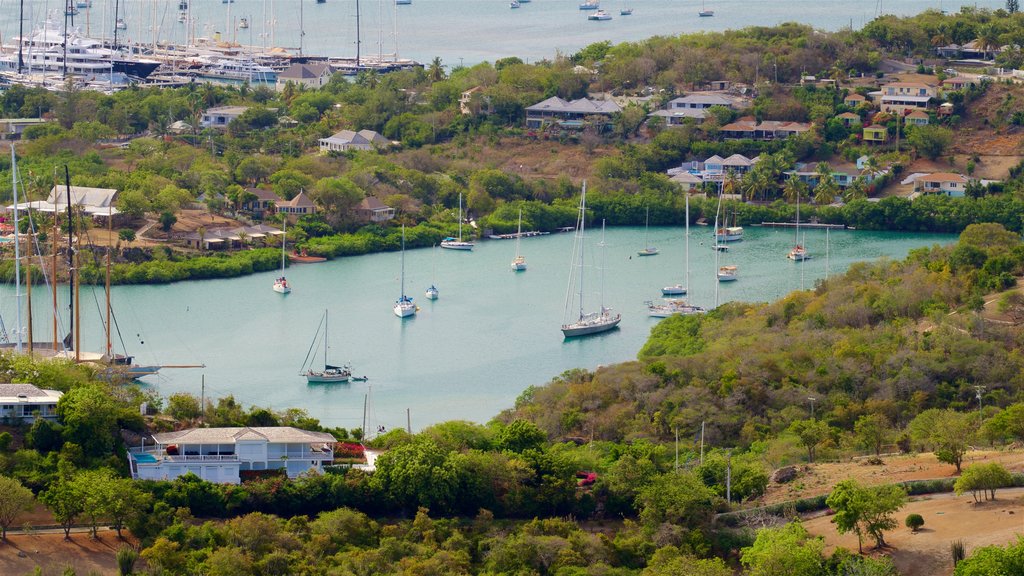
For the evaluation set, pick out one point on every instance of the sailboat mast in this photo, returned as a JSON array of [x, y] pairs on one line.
[[71, 251], [604, 259], [582, 229], [302, 30], [325, 339], [403, 261], [359, 39], [21, 36], [17, 243], [284, 241], [117, 11], [107, 283], [460, 217], [53, 274], [718, 252], [686, 277]]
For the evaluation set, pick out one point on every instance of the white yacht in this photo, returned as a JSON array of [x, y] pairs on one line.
[[457, 243], [673, 307], [238, 70], [404, 306], [584, 323]]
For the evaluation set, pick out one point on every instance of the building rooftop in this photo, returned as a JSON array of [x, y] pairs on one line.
[[235, 434], [14, 393], [581, 106]]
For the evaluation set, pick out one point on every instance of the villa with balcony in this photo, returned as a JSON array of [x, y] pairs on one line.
[[26, 402], [222, 454]]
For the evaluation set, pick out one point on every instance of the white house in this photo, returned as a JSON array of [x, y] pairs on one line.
[[221, 116], [693, 106], [901, 97], [373, 210], [221, 454], [312, 75], [22, 402], [91, 201], [350, 140], [947, 183]]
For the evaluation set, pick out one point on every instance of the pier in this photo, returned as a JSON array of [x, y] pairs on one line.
[[805, 225]]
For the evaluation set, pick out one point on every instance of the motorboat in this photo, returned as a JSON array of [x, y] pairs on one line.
[[673, 307], [729, 273], [600, 15]]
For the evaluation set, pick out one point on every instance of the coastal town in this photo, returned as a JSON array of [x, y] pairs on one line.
[[866, 418]]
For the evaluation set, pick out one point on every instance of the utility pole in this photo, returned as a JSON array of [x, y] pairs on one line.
[[812, 399], [677, 449], [202, 400], [978, 391], [728, 476], [701, 442]]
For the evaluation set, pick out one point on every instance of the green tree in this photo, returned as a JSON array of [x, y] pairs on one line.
[[984, 478], [14, 499], [669, 561], [126, 235], [930, 141], [1012, 6], [183, 406], [89, 415], [678, 498], [914, 522], [952, 436], [788, 550], [64, 502], [865, 510], [811, 434], [167, 221], [872, 431], [993, 560], [519, 436], [124, 501]]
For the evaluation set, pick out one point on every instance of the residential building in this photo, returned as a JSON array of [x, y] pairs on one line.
[[714, 169], [853, 100], [220, 116], [264, 201], [687, 180], [916, 118], [349, 140], [946, 183], [24, 402], [466, 98], [876, 134], [849, 119], [312, 75], [957, 83], [905, 96], [12, 128], [222, 454], [946, 109], [95, 202], [227, 238], [300, 205], [693, 106], [749, 128], [372, 210], [843, 176], [572, 114]]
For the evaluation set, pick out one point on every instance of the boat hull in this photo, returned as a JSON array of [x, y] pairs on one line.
[[676, 290], [315, 378], [282, 288], [647, 252], [404, 310], [432, 293], [586, 328], [456, 245]]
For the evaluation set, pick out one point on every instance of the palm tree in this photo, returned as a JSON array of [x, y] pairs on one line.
[[202, 237], [436, 70], [857, 190], [731, 183], [871, 166], [825, 191], [794, 190]]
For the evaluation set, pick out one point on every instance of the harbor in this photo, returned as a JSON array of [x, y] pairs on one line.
[[467, 355]]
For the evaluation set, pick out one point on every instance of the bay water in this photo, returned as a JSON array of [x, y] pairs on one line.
[[457, 31], [469, 354]]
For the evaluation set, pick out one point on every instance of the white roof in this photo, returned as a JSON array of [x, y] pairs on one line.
[[285, 434], [686, 178], [23, 393]]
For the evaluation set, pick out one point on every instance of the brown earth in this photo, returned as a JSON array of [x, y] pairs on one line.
[[975, 133], [988, 167], [946, 518], [818, 479], [52, 554]]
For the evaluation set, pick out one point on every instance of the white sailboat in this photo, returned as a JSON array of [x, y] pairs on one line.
[[281, 285], [704, 12], [457, 243], [647, 250], [680, 289], [585, 323], [798, 253], [727, 273], [519, 262], [404, 306], [432, 293], [330, 373]]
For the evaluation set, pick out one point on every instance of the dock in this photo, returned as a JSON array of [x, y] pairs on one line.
[[805, 225], [513, 236]]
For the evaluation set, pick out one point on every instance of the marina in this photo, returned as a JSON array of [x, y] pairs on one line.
[[506, 324]]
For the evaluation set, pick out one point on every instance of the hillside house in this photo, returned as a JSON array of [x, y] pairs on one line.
[[228, 238], [94, 202], [917, 118], [22, 403], [466, 99], [749, 128], [555, 110], [372, 210], [853, 100], [219, 117], [692, 106], [876, 134], [312, 75], [947, 183], [905, 96], [350, 140], [12, 128], [222, 454], [687, 181], [957, 84], [849, 119], [300, 205], [265, 201]]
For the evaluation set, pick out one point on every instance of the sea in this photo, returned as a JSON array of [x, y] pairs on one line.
[[459, 32], [469, 354]]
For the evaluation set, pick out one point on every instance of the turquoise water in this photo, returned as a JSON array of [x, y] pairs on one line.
[[467, 355], [469, 31]]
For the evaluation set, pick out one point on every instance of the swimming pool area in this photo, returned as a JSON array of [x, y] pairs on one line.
[[144, 458]]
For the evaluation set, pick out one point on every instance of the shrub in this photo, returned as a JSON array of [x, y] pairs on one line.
[[914, 522], [958, 550]]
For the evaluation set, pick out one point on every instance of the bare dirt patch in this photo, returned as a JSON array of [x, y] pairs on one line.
[[818, 479], [22, 553], [947, 518]]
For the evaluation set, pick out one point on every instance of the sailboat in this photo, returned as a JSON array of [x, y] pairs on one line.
[[404, 306], [330, 373], [680, 289], [704, 12], [432, 292], [457, 243], [281, 285], [728, 273], [585, 322], [519, 262], [647, 250], [798, 253]]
